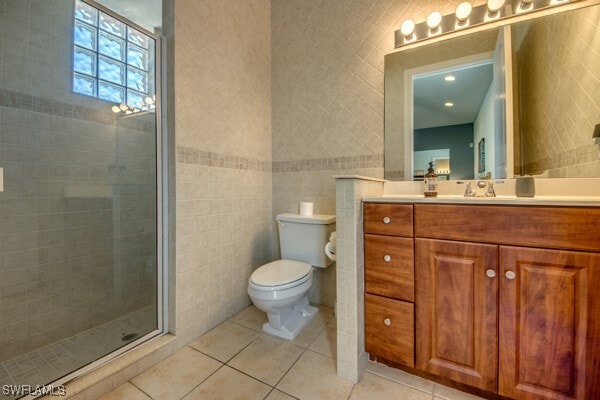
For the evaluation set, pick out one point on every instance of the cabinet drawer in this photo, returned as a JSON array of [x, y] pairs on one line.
[[389, 266], [570, 228], [388, 219], [390, 329]]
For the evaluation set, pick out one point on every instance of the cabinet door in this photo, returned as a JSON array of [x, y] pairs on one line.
[[549, 324], [457, 311]]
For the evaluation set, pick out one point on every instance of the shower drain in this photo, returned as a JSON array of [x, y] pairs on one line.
[[129, 337]]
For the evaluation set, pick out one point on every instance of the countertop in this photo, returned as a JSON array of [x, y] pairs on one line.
[[573, 201]]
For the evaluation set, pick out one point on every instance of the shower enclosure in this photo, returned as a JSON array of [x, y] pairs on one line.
[[81, 201]]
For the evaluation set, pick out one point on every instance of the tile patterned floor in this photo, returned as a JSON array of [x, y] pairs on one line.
[[236, 360]]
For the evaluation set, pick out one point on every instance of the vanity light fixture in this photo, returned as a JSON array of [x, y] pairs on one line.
[[466, 16], [149, 104], [433, 22], [449, 78], [596, 134], [525, 6], [494, 9], [408, 28], [462, 14], [449, 104]]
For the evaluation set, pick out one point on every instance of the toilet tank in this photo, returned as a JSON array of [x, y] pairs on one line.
[[303, 238]]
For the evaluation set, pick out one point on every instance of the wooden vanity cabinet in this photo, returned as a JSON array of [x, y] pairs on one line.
[[501, 310]]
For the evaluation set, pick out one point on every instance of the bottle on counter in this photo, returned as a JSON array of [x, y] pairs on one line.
[[431, 179]]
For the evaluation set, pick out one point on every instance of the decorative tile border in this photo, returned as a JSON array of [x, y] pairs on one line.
[[394, 175], [188, 155], [334, 163], [580, 155], [42, 105]]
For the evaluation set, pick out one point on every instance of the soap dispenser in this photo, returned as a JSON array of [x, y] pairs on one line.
[[431, 179]]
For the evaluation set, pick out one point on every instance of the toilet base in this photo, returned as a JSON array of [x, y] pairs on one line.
[[288, 323]]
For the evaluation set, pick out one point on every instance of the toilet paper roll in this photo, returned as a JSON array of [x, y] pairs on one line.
[[306, 208]]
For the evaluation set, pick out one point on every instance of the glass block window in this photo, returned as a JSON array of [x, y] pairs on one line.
[[111, 60]]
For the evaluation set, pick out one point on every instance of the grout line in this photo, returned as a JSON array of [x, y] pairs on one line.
[[250, 376], [268, 394], [200, 383], [288, 371], [137, 387]]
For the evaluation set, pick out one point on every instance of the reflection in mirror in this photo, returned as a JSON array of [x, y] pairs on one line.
[[553, 69], [422, 71], [557, 73], [452, 109]]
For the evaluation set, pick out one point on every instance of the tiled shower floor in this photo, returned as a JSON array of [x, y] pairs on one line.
[[61, 358]]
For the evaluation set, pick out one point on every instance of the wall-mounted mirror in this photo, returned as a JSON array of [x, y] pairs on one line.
[[516, 100]]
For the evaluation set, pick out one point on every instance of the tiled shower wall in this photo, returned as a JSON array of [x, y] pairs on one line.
[[559, 73], [223, 139], [77, 215]]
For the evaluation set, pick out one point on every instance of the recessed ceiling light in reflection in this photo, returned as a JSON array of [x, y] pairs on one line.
[[449, 104], [450, 78]]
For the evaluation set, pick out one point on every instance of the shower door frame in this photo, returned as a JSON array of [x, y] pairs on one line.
[[161, 209]]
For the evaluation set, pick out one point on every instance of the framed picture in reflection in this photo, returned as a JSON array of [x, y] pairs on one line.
[[481, 150]]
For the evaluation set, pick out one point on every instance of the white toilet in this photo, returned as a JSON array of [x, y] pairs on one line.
[[280, 288]]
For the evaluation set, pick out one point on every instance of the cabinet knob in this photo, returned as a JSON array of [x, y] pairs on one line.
[[490, 273], [510, 275], [387, 322], [386, 220], [387, 258]]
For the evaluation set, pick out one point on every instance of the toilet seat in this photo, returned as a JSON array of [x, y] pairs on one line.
[[279, 275]]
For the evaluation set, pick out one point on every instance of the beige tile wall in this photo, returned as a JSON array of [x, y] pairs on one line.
[[327, 95], [559, 75], [223, 137]]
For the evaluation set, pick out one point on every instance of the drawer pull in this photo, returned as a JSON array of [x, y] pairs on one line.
[[387, 258], [386, 220], [490, 273], [387, 322], [510, 275]]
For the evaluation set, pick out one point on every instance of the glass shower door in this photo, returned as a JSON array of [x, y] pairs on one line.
[[78, 212]]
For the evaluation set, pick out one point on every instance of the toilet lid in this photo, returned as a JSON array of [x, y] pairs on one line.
[[280, 272]]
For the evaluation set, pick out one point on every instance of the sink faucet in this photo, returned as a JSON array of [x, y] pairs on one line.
[[469, 192], [476, 192]]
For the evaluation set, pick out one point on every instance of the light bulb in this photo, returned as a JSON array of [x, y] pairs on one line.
[[525, 5], [116, 109], [449, 104], [495, 5], [434, 20], [463, 11], [407, 28], [450, 78]]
